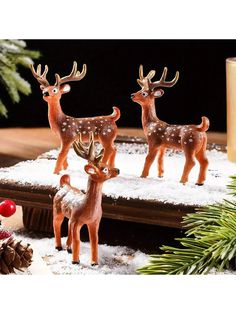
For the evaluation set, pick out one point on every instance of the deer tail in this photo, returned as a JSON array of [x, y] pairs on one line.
[[115, 114], [65, 180], [204, 126]]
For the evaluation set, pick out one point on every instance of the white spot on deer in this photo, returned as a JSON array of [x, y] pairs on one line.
[[84, 132], [149, 134], [69, 126], [178, 141], [172, 134], [80, 121], [159, 129], [162, 136], [89, 127], [168, 139], [104, 133], [88, 122], [185, 143], [64, 123], [73, 123], [63, 130], [109, 130], [190, 140]]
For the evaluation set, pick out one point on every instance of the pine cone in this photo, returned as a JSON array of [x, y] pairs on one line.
[[14, 254]]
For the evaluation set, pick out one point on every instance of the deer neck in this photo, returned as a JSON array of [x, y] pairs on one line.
[[55, 114], [149, 113], [94, 193]]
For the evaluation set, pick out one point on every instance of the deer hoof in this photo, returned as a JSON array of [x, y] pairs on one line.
[[69, 250], [143, 176], [94, 264], [160, 176], [199, 184], [59, 248], [75, 263]]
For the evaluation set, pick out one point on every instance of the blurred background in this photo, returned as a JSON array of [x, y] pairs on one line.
[[112, 70]]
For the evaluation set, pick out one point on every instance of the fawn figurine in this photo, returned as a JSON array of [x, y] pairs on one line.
[[160, 135], [82, 209], [69, 128]]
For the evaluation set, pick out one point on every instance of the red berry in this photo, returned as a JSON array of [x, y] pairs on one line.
[[4, 234], [7, 208]]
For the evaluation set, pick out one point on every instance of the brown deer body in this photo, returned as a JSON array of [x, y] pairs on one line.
[[160, 135], [68, 128], [82, 209]]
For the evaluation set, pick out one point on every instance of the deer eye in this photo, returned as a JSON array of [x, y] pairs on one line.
[[105, 170], [55, 90], [144, 94]]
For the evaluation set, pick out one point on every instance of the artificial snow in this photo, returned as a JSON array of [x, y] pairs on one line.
[[130, 160], [115, 260]]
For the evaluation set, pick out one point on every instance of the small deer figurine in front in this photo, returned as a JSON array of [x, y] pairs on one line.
[[82, 208], [69, 128], [160, 135]]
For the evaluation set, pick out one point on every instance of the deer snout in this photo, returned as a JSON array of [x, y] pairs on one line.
[[132, 96], [45, 93], [117, 170]]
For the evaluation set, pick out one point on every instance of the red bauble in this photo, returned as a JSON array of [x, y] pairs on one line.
[[7, 208]]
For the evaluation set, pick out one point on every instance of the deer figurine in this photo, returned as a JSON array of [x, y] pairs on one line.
[[69, 128], [160, 135], [82, 209]]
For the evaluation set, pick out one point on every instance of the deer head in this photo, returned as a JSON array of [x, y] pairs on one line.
[[97, 171], [54, 92], [150, 90]]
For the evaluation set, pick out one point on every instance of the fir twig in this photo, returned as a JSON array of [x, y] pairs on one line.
[[210, 241], [12, 55]]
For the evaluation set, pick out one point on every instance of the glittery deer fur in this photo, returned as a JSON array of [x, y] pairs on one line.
[[68, 128], [160, 135]]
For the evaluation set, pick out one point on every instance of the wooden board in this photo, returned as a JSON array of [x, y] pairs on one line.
[[37, 203]]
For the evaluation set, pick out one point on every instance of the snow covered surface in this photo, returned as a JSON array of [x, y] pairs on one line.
[[116, 260], [130, 160]]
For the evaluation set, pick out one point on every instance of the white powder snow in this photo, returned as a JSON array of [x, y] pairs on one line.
[[116, 260], [130, 160]]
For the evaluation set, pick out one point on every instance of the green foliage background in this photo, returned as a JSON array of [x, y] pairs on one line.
[[13, 54]]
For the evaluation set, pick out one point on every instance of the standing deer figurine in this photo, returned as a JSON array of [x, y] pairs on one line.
[[160, 135], [82, 208], [69, 128]]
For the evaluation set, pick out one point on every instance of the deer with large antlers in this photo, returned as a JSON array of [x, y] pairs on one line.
[[68, 128], [82, 209], [160, 135]]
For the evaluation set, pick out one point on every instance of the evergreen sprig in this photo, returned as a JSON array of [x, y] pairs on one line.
[[210, 241], [13, 53]]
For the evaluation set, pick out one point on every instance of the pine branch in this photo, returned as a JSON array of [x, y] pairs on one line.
[[210, 241], [12, 55]]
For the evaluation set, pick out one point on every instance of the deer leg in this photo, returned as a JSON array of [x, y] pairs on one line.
[[112, 157], [61, 159], [93, 236], [149, 160], [203, 161], [69, 239], [57, 221], [160, 162], [189, 164], [75, 229], [109, 155]]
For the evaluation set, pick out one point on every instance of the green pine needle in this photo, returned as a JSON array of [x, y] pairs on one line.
[[13, 55], [209, 242]]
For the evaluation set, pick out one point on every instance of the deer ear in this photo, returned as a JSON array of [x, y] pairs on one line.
[[65, 88], [158, 93], [90, 169]]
